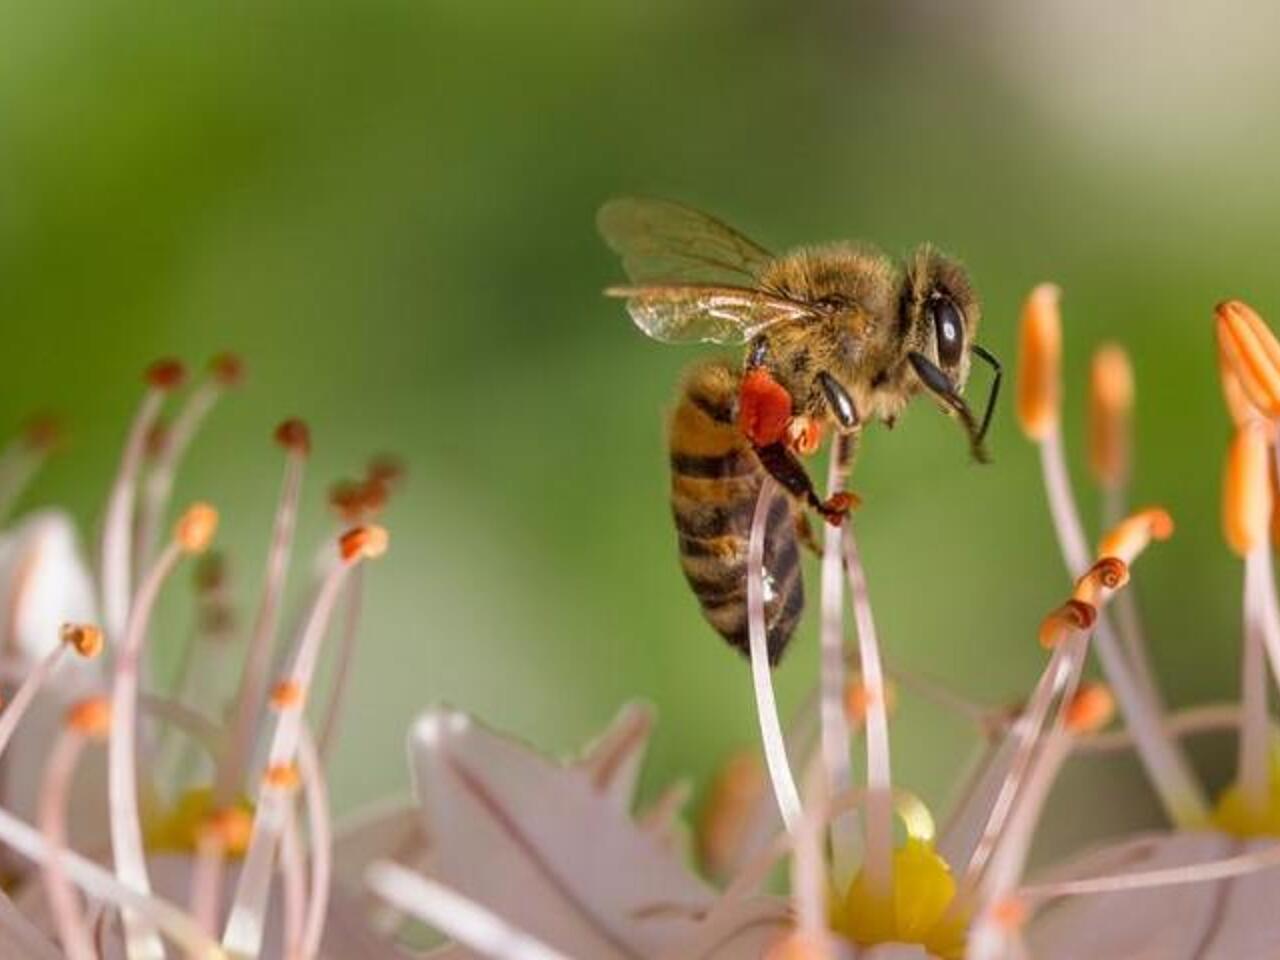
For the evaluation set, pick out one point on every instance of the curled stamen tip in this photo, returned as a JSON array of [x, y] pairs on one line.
[[90, 717], [1249, 349], [1071, 616], [286, 694], [1246, 490], [1130, 536], [227, 369], [85, 638], [1110, 404], [282, 776], [1090, 709], [167, 374], [1039, 358], [1109, 573], [196, 528], [860, 698], [294, 435], [799, 946], [1009, 914], [364, 542], [231, 828]]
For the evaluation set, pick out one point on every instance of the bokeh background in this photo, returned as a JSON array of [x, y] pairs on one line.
[[387, 208]]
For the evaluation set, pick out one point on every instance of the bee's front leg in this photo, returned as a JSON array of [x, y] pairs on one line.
[[764, 414]]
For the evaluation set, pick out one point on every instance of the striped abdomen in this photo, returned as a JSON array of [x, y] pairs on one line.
[[715, 480]]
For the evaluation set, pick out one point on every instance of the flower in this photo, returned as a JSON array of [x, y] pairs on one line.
[[234, 864]]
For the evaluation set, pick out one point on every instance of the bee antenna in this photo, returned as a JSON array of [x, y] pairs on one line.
[[987, 357]]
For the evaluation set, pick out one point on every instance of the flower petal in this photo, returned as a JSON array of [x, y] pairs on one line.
[[1227, 918], [43, 584], [613, 760], [536, 843]]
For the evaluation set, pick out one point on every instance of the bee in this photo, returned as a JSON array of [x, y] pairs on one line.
[[836, 337]]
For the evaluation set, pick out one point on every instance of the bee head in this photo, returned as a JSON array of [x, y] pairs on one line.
[[940, 312]]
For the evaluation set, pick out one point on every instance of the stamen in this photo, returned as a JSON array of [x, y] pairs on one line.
[[225, 371], [294, 436], [192, 533], [98, 883], [1239, 406], [1246, 489], [31, 684], [23, 457], [1072, 617], [89, 718], [1110, 414], [1251, 352], [775, 748], [286, 695], [1039, 359], [321, 843], [728, 811], [1134, 534], [244, 929], [877, 868], [835, 726], [117, 526], [460, 918], [801, 946], [343, 665], [294, 877], [1101, 580]]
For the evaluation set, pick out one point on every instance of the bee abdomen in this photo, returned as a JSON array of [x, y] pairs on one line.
[[715, 481]]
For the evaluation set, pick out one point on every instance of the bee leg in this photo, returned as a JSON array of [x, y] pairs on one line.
[[787, 470], [805, 534]]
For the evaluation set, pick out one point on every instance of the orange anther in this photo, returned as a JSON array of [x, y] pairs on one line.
[[286, 694], [363, 543], [195, 529], [859, 698], [294, 435], [1110, 407], [166, 374], [1131, 535], [1246, 489], [1039, 361], [1250, 350], [1072, 616], [798, 946], [1009, 914], [90, 717], [231, 828], [1090, 709], [282, 776], [726, 813], [1108, 574], [84, 637]]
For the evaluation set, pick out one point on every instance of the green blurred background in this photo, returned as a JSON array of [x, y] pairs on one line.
[[387, 208]]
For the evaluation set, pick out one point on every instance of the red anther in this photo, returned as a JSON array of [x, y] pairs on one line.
[[227, 369], [362, 542], [348, 499], [764, 408], [167, 374], [294, 435], [386, 469]]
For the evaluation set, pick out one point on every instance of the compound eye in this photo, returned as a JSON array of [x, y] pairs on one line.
[[948, 324]]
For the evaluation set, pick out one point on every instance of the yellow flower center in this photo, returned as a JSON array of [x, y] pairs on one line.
[[1233, 813], [917, 911], [179, 829]]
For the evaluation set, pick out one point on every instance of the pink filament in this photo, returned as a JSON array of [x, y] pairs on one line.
[[53, 823]]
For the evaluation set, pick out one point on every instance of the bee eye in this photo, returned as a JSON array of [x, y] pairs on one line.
[[948, 323]]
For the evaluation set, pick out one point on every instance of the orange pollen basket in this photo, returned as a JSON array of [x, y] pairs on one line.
[[764, 408]]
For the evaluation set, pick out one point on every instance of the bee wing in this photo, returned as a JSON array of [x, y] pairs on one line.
[[661, 242], [692, 312]]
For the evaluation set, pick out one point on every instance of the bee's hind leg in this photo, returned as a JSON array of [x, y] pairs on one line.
[[787, 470]]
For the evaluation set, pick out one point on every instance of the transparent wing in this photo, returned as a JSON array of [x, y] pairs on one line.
[[664, 242], [692, 312]]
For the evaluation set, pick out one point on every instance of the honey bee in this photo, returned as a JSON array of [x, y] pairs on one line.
[[836, 337]]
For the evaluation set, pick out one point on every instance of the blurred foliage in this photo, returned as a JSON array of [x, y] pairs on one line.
[[387, 208]]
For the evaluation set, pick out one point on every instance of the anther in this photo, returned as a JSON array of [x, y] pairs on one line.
[[227, 369], [1250, 350], [42, 433], [364, 542], [90, 717], [1109, 573], [195, 528], [286, 694], [1110, 407], [232, 828], [84, 638], [282, 776], [386, 469], [1039, 360], [797, 946], [1091, 709], [1130, 536], [294, 435], [1246, 490], [210, 572], [859, 698], [167, 374], [1009, 914], [1072, 616]]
